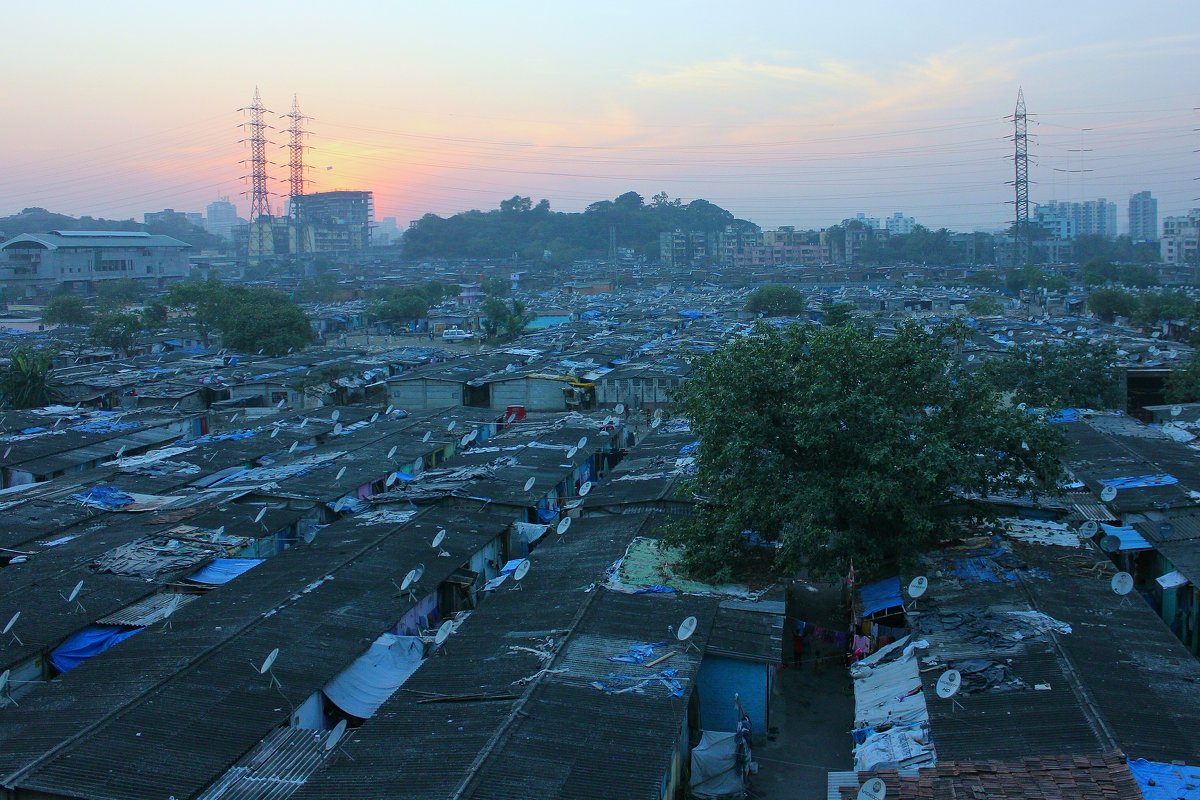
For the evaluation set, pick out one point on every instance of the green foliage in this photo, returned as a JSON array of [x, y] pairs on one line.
[[1074, 374], [66, 309], [323, 287], [116, 294], [775, 301], [984, 305], [838, 313], [1108, 304], [401, 309], [250, 319], [1154, 307], [155, 315], [1183, 385], [1138, 276], [496, 286], [1097, 273], [25, 382], [505, 321], [987, 280], [1026, 277], [844, 448], [529, 229], [116, 330]]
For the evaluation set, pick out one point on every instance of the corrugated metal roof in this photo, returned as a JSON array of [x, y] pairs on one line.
[[153, 609]]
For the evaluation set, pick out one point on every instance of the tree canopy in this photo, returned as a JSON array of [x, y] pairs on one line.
[[838, 313], [775, 301], [1072, 374], [116, 330], [1108, 304], [250, 319], [835, 447], [66, 309], [25, 382], [984, 305]]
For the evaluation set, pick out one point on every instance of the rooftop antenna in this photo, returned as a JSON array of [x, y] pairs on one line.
[[874, 789], [262, 512], [389, 410], [73, 597], [265, 669], [443, 633], [520, 572], [1122, 585], [335, 736], [375, 417], [917, 588], [292, 449], [582, 443], [584, 488], [684, 634], [410, 580], [336, 415], [453, 424], [392, 452], [274, 432], [948, 685], [571, 453], [9, 629], [428, 435], [620, 409], [563, 526], [1108, 494], [337, 429], [340, 473], [171, 607], [465, 440], [438, 538], [391, 479]]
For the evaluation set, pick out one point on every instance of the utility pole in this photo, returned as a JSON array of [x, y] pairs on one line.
[[1022, 247], [260, 204], [295, 147]]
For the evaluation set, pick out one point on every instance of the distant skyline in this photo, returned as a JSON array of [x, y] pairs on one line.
[[782, 113]]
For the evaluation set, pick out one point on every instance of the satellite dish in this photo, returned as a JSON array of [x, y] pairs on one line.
[[427, 436], [391, 479], [654, 423], [1122, 583], [340, 473], [658, 413], [918, 586], [620, 409], [389, 410], [1020, 406], [522, 569], [274, 432], [120, 451], [563, 526], [1176, 411], [303, 422], [392, 452], [1108, 494], [335, 735], [453, 424], [3, 682], [1153, 350], [280, 403], [571, 453], [375, 417], [1110, 544], [874, 789], [75, 592], [409, 580], [443, 632], [336, 415], [337, 429], [1090, 527], [473, 435], [971, 357], [438, 538], [262, 512], [582, 443], [418, 571], [233, 418], [529, 483], [1155, 334], [686, 629], [465, 440], [585, 488], [269, 662], [292, 449], [948, 684], [12, 621]]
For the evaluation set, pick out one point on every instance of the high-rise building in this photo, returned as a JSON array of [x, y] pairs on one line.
[[221, 217], [339, 220], [898, 224], [1143, 217], [1090, 218]]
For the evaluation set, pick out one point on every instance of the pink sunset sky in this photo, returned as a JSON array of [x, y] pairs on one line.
[[784, 113]]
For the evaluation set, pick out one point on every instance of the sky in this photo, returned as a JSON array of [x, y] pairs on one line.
[[785, 113]]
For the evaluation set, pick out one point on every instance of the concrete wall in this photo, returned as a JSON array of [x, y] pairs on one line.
[[536, 394], [420, 394]]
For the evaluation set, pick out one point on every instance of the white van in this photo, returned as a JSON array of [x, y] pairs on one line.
[[456, 335]]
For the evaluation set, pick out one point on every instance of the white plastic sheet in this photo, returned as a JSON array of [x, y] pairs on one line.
[[715, 770], [362, 688]]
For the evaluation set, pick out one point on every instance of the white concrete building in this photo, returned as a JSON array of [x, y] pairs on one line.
[[40, 263]]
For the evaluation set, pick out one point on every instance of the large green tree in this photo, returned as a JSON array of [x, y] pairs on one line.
[[25, 382], [776, 300], [66, 309], [1108, 304], [1051, 374], [839, 447], [115, 330]]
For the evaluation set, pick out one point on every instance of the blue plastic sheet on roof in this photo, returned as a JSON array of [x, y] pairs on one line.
[[638, 653], [690, 448], [881, 596], [209, 438], [1140, 481], [104, 426], [546, 512], [657, 588], [690, 313], [91, 641], [1160, 781], [223, 570], [1130, 538], [1066, 415], [109, 498]]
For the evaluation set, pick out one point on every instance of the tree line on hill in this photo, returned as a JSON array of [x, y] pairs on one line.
[[39, 220]]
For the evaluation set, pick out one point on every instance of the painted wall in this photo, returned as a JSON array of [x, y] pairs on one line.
[[719, 679]]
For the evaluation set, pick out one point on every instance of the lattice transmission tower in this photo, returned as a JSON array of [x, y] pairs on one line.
[[260, 204], [295, 148], [1021, 239]]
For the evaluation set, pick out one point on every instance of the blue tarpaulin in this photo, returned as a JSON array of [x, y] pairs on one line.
[[1160, 781], [108, 498], [1130, 538], [91, 641], [691, 313], [223, 570], [1140, 481], [1066, 415], [881, 596], [638, 653]]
